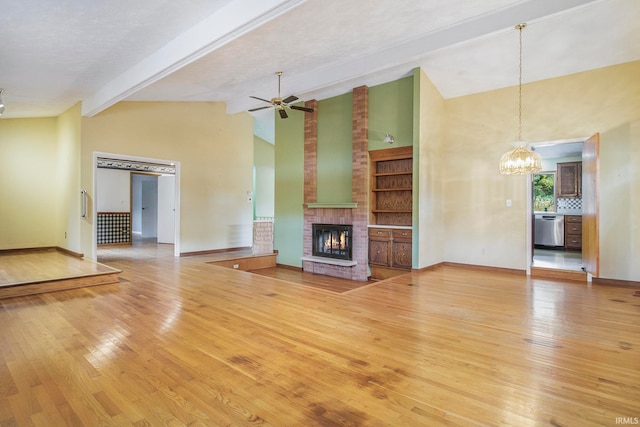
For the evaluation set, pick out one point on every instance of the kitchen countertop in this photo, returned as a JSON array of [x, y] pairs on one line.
[[560, 212], [402, 227], [569, 211]]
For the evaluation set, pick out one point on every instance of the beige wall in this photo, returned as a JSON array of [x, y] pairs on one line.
[[28, 183], [215, 151], [430, 217], [68, 179], [479, 228]]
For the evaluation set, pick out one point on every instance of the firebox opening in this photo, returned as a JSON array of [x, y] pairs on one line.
[[332, 241]]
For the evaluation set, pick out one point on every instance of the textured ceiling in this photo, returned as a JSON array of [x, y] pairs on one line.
[[55, 54]]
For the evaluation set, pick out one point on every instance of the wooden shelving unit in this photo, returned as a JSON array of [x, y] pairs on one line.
[[391, 206], [391, 186]]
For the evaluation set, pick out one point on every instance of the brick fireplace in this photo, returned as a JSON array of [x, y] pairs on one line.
[[354, 214]]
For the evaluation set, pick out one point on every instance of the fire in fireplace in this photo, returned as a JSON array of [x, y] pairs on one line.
[[332, 240]]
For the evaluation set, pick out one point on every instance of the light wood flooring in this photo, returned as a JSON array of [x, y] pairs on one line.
[[182, 342], [32, 271]]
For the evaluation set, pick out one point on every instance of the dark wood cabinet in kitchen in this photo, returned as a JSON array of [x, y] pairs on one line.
[[569, 180], [573, 232]]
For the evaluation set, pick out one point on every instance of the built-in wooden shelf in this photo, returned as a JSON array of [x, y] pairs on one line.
[[393, 189], [392, 173], [390, 212]]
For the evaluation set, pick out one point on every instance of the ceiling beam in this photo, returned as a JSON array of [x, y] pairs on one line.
[[230, 22], [374, 68]]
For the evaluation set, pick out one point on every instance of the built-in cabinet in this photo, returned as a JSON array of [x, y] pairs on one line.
[[391, 206], [573, 232], [390, 247], [569, 180]]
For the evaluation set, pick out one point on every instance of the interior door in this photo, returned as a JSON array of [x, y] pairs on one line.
[[150, 207], [166, 209], [590, 203]]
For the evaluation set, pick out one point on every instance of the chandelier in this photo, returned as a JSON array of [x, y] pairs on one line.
[[520, 160]]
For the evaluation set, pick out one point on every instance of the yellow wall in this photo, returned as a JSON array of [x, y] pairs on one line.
[[68, 179], [29, 185], [429, 221], [479, 228], [215, 151]]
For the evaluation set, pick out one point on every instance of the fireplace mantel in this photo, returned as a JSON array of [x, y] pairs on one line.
[[332, 205]]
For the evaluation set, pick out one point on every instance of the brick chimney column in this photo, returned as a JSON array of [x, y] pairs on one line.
[[360, 179], [310, 152], [310, 171]]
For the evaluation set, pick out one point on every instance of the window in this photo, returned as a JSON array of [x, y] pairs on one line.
[[544, 190]]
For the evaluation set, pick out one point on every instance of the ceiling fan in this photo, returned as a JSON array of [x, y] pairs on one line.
[[281, 104]]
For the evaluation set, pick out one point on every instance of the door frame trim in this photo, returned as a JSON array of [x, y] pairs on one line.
[[94, 202], [529, 209]]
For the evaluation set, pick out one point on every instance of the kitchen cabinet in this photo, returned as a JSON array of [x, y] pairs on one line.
[[390, 248], [573, 232], [569, 180]]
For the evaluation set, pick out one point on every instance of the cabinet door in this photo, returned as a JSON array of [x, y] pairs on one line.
[[579, 179], [401, 254], [568, 178], [379, 252]]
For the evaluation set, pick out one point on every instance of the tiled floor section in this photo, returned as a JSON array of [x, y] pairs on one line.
[[547, 258]]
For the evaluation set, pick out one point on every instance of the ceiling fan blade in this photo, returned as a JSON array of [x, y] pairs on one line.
[[260, 108], [283, 114], [295, 107], [260, 99], [289, 99]]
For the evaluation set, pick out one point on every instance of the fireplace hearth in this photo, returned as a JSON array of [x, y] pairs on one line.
[[332, 241]]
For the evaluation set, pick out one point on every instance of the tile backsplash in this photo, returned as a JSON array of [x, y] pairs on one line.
[[569, 205]]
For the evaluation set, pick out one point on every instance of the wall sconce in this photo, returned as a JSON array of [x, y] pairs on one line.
[[1, 103], [389, 139]]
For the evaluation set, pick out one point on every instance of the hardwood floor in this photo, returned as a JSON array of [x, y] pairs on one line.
[[182, 342], [34, 271], [317, 281]]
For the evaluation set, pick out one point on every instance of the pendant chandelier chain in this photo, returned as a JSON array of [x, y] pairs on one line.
[[520, 160], [520, 27]]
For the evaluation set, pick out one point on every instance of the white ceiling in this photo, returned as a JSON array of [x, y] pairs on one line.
[[55, 54]]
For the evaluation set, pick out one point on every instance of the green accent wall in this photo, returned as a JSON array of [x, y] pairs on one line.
[[263, 177], [391, 110], [289, 189], [334, 149]]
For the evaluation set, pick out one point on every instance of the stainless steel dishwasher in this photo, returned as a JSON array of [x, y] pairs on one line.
[[549, 230]]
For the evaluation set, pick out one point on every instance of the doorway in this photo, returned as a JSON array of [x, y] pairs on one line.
[[152, 192], [556, 207]]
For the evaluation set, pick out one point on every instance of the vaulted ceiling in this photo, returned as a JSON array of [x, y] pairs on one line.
[[55, 54]]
